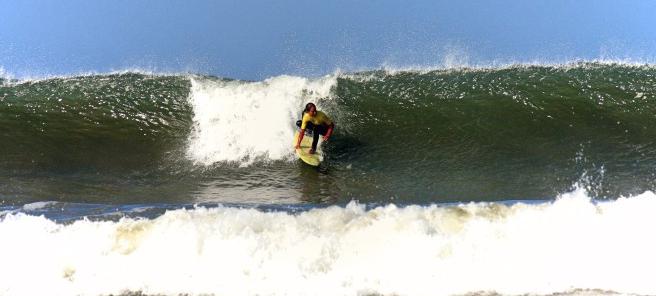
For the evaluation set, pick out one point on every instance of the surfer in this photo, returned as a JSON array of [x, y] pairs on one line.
[[318, 122]]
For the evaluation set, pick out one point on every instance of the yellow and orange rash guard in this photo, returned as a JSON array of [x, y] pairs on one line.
[[320, 119]]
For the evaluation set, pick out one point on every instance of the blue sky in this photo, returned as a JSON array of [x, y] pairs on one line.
[[256, 39]]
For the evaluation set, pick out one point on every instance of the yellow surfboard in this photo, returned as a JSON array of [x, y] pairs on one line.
[[304, 152]]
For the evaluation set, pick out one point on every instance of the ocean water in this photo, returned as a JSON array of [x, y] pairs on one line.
[[515, 180]]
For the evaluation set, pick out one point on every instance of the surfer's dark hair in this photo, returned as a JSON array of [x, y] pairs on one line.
[[308, 106]]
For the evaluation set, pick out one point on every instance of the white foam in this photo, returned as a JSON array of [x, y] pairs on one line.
[[236, 121], [546, 248], [38, 205]]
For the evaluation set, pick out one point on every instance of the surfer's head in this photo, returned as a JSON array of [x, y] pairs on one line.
[[311, 109]]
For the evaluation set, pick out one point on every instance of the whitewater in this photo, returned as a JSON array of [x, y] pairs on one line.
[[569, 245]]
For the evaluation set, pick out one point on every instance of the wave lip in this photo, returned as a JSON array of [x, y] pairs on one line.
[[462, 64], [571, 244]]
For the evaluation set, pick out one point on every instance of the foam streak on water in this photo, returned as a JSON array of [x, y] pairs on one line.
[[245, 121], [541, 248]]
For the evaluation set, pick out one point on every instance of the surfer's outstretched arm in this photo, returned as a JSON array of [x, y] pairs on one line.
[[329, 132], [300, 137]]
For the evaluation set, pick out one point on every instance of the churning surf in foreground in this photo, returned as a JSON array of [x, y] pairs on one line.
[[572, 246], [518, 180]]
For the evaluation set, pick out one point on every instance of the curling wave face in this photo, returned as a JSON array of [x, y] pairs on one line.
[[519, 132]]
